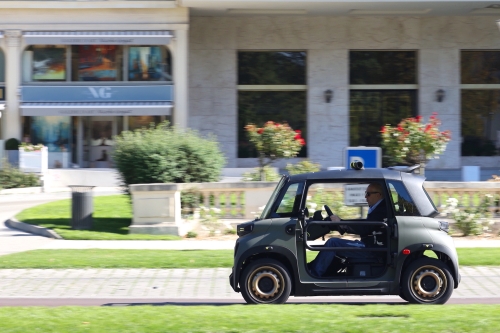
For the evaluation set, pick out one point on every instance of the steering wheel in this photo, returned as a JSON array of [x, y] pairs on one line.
[[328, 211]]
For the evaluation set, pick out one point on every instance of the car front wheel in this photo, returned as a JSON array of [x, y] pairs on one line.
[[265, 281], [427, 281]]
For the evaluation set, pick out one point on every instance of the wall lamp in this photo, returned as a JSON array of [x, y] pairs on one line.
[[328, 95], [440, 93]]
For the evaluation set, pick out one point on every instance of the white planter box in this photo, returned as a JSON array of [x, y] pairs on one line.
[[34, 161]]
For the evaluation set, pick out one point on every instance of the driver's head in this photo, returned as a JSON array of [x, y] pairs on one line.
[[373, 193]]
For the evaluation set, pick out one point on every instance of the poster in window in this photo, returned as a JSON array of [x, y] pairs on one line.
[[148, 63], [53, 132], [97, 63], [49, 64]]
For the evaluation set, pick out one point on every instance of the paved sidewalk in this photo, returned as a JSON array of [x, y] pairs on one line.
[[477, 282]]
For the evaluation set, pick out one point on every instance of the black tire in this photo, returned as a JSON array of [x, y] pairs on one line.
[[427, 281], [265, 281]]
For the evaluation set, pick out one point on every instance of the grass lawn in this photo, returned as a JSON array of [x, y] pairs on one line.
[[262, 318], [112, 217], [101, 258]]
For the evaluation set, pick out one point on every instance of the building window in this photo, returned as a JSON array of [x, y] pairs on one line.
[[383, 67], [138, 122], [95, 63], [371, 109], [480, 102], [2, 67], [271, 87], [383, 90]]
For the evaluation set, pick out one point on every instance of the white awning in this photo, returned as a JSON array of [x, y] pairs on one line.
[[146, 37], [97, 109], [2, 106]]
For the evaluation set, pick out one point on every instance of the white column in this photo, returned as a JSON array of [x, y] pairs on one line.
[[11, 120], [180, 73]]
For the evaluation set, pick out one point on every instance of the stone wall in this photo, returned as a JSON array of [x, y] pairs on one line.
[[214, 42]]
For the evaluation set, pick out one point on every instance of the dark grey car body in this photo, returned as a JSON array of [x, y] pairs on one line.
[[271, 251]]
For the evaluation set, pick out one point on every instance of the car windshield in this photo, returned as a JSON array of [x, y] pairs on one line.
[[271, 200]]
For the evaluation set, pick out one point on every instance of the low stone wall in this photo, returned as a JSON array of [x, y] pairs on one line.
[[157, 207]]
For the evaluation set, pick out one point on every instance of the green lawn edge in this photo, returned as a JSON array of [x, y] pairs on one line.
[[112, 216], [169, 259], [368, 318]]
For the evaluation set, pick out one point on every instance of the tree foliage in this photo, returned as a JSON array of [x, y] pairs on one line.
[[274, 141]]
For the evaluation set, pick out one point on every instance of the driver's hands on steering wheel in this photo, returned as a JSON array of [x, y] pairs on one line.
[[334, 218]]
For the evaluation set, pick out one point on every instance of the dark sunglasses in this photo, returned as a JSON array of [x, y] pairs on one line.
[[367, 194]]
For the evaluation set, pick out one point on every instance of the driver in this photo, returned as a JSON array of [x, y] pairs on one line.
[[377, 212]]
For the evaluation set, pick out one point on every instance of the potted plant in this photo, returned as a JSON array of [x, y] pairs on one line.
[[12, 152], [33, 158], [274, 141], [414, 142]]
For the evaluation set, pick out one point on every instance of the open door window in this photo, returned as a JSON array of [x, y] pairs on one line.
[[347, 200]]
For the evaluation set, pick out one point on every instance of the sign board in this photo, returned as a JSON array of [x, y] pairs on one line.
[[93, 94], [354, 195], [371, 157]]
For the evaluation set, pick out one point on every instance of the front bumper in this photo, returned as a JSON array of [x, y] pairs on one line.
[[232, 283]]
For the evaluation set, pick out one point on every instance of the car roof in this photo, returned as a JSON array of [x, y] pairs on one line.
[[374, 173]]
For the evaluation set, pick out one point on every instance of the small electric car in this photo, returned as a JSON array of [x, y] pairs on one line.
[[415, 257]]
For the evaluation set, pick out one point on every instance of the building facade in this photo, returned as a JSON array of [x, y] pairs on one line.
[[80, 73]]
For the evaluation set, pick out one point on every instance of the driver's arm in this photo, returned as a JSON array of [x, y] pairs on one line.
[[337, 228]]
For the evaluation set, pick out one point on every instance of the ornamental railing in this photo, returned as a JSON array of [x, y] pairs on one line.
[[155, 204]]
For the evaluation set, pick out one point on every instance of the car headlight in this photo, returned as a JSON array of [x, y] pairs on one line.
[[244, 228], [445, 226]]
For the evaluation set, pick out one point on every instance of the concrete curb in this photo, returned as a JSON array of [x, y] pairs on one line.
[[33, 229]]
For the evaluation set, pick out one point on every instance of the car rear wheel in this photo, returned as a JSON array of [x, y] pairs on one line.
[[427, 281], [265, 281]]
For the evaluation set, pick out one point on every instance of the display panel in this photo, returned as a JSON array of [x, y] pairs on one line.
[[53, 132], [149, 63], [49, 64], [97, 62]]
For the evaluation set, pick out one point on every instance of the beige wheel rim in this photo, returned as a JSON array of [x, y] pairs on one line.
[[428, 283], [266, 284]]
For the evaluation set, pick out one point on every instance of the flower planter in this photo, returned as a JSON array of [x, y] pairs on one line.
[[33, 161]]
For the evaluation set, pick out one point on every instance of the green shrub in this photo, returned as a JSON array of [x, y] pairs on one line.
[[230, 232], [12, 144], [191, 234], [255, 176], [164, 154], [11, 177], [190, 200], [303, 167], [470, 220]]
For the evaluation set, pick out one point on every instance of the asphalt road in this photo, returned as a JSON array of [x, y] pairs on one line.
[[194, 302]]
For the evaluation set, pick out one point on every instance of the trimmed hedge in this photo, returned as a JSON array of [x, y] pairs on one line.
[[164, 154]]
